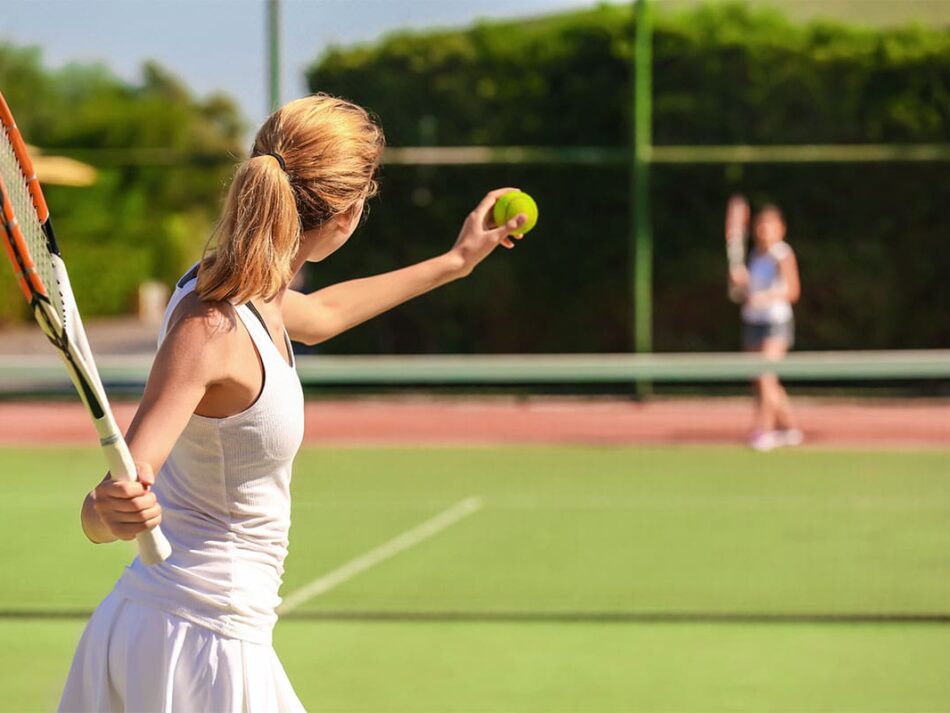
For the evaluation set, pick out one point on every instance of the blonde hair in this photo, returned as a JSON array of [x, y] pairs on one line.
[[313, 159]]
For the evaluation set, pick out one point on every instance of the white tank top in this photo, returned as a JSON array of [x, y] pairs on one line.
[[764, 275], [225, 497]]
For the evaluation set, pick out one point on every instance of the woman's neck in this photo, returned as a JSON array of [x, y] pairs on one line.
[[296, 265]]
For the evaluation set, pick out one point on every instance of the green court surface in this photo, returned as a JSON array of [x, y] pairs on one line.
[[552, 579]]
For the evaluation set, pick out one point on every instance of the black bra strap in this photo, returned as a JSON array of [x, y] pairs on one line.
[[250, 306]]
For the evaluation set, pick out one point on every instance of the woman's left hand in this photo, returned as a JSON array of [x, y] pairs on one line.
[[480, 236]]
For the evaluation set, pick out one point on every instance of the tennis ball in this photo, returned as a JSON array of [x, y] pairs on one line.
[[511, 205]]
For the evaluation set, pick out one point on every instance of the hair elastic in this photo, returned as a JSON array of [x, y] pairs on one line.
[[280, 160]]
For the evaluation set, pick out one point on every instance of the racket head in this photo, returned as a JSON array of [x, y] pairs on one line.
[[738, 215], [29, 240], [31, 246]]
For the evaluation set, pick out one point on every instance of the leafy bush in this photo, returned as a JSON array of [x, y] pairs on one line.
[[141, 220]]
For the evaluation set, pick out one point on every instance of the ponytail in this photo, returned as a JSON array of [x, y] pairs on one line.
[[313, 159], [251, 249]]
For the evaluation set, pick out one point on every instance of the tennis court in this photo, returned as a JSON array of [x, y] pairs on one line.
[[553, 578], [534, 492]]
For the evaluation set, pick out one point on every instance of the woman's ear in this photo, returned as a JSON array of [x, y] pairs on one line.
[[347, 221]]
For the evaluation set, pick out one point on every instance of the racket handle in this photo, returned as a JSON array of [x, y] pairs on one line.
[[735, 250], [153, 546]]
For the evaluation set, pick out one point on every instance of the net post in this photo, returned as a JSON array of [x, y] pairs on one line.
[[642, 252], [273, 54]]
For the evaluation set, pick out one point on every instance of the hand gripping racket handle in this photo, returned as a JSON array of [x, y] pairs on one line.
[[77, 356], [153, 547]]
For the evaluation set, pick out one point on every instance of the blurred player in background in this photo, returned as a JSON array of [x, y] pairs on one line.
[[767, 285]]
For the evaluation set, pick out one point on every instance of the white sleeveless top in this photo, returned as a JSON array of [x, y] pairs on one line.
[[764, 275], [225, 497]]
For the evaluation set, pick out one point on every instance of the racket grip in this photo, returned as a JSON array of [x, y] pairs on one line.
[[153, 545]]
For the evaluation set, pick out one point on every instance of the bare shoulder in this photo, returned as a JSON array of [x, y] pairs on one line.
[[201, 332], [300, 312], [208, 319], [293, 302], [782, 251]]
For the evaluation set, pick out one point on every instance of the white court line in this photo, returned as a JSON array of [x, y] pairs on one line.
[[407, 539]]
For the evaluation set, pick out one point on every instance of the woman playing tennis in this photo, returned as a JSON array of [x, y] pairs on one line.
[[767, 287], [221, 420]]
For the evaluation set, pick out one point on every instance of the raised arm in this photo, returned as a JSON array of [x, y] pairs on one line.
[[318, 316]]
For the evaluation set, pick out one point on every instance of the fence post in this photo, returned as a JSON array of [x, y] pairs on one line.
[[642, 253]]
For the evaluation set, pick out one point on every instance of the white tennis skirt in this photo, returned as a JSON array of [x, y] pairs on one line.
[[135, 658]]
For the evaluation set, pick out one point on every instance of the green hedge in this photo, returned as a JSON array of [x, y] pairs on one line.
[[870, 238], [137, 222]]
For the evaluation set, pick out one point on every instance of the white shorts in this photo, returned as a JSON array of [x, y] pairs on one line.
[[135, 658]]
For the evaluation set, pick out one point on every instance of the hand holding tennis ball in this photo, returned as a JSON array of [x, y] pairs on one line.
[[513, 204], [503, 216]]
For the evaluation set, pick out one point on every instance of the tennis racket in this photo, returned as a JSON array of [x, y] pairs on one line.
[[41, 273], [737, 233], [737, 229]]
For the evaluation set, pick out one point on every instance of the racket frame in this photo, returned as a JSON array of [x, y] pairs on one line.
[[737, 235], [69, 339]]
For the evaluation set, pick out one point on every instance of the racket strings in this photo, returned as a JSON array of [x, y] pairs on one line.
[[27, 220]]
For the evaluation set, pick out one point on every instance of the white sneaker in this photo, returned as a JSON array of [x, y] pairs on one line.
[[764, 441], [789, 437]]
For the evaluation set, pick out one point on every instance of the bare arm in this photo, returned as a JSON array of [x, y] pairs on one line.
[[320, 315], [192, 358], [788, 267], [738, 283]]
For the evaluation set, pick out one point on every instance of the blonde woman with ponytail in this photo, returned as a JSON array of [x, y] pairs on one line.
[[221, 420]]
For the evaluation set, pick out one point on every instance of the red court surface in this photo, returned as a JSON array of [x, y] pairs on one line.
[[434, 421]]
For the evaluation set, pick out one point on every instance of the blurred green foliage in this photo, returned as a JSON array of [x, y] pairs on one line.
[[142, 219], [869, 236]]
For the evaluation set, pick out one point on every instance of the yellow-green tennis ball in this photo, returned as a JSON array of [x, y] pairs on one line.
[[511, 205]]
